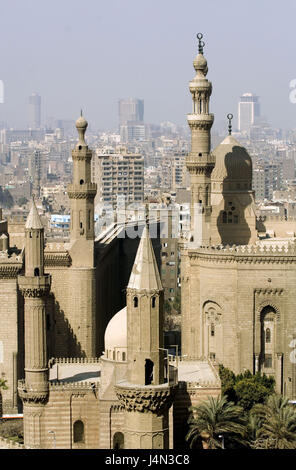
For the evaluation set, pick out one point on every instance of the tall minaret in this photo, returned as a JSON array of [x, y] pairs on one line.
[[35, 286], [200, 162], [82, 274], [146, 394], [82, 193]]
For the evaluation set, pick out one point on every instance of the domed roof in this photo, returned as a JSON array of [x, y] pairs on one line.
[[116, 331], [200, 64], [232, 161]]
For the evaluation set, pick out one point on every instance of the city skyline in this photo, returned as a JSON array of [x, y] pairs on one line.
[[118, 57]]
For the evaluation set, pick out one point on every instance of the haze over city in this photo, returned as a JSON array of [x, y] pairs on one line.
[[91, 54]]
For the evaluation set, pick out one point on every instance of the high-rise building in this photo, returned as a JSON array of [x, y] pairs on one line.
[[131, 109], [131, 119], [248, 111], [117, 175], [34, 111]]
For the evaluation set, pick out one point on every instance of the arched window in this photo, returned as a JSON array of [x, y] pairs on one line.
[[224, 217], [148, 371], [123, 356], [36, 272], [136, 301], [78, 429], [153, 302], [113, 355], [81, 181], [118, 441], [267, 335]]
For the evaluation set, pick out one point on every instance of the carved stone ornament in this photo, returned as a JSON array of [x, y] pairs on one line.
[[145, 400]]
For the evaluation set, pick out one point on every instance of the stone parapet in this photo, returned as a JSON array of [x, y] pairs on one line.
[[245, 253], [74, 360], [10, 264]]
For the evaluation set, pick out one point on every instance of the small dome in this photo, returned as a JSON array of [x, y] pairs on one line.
[[116, 333], [200, 64], [232, 161], [81, 123]]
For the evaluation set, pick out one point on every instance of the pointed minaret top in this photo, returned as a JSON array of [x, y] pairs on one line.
[[81, 126], [33, 220], [145, 273]]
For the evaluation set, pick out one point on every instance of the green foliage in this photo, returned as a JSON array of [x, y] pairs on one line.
[[3, 384], [277, 423], [245, 389], [249, 392], [213, 418], [12, 429]]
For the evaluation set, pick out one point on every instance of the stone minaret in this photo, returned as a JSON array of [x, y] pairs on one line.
[[200, 162], [145, 394], [82, 314], [35, 286], [81, 194]]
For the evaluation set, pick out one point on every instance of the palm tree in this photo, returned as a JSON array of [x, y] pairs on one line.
[[215, 418], [277, 423]]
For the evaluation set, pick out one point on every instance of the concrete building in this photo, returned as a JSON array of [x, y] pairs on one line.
[[131, 109], [118, 175], [248, 111], [34, 111], [131, 120]]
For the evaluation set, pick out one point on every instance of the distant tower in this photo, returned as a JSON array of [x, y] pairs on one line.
[[131, 109], [248, 111], [145, 395], [34, 111], [82, 274], [35, 286], [200, 162]]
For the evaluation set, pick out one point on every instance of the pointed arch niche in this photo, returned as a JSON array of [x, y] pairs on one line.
[[212, 330]]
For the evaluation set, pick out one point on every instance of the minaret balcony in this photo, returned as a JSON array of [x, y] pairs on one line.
[[36, 392], [34, 286], [200, 119], [82, 191], [145, 398]]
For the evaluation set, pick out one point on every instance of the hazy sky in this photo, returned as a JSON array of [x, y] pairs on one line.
[[90, 53]]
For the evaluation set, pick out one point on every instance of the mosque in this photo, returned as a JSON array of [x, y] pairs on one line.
[[81, 341]]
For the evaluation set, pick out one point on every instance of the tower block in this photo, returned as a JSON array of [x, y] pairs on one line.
[[200, 162], [146, 394], [35, 286]]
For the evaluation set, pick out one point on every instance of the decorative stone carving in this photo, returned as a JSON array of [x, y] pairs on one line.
[[145, 400]]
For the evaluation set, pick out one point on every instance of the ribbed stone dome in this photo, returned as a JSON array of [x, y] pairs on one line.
[[232, 161]]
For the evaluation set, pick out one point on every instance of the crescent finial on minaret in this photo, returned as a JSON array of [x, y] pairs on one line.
[[229, 117], [201, 43]]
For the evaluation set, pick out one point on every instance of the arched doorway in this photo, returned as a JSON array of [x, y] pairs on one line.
[[78, 431], [118, 441]]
